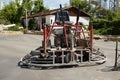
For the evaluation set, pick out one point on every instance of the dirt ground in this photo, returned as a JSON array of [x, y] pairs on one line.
[[13, 47]]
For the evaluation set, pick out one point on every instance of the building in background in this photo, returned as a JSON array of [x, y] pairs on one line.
[[1, 4], [48, 17], [118, 5], [105, 4], [70, 1], [102, 3], [114, 5]]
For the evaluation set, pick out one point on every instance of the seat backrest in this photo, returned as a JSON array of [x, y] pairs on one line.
[[58, 16]]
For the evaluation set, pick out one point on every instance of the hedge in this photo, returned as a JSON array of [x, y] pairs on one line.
[[105, 27]]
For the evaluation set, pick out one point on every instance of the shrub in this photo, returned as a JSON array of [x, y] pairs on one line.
[[31, 24], [14, 28], [106, 27], [3, 21]]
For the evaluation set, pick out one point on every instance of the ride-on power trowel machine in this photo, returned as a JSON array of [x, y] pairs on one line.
[[71, 46]]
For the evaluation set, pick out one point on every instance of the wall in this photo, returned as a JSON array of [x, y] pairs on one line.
[[84, 20], [51, 18]]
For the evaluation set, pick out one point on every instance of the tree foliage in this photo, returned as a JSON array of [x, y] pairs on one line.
[[108, 25], [85, 6], [22, 6], [38, 6], [9, 12], [32, 24], [14, 11]]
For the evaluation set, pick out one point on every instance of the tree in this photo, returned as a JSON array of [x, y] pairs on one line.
[[32, 25], [84, 5], [22, 6], [95, 5], [9, 12], [16, 10], [38, 6]]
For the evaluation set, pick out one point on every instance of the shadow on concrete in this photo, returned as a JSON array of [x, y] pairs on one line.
[[109, 69]]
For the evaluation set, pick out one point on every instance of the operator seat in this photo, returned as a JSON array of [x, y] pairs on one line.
[[58, 17], [61, 18]]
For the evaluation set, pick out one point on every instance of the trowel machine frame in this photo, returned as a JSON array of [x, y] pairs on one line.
[[71, 46]]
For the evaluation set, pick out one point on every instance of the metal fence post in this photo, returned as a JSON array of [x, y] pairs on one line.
[[116, 54]]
